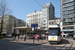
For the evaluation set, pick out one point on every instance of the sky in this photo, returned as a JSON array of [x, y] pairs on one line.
[[20, 8]]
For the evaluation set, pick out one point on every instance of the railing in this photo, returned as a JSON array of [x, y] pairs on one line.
[[68, 9], [68, 28], [68, 5], [67, 1]]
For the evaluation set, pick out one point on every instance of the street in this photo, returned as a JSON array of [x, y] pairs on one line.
[[7, 45]]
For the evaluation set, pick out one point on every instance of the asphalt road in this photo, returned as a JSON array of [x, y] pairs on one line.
[[7, 45]]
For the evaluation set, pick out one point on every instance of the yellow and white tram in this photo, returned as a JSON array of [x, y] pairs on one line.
[[54, 34]]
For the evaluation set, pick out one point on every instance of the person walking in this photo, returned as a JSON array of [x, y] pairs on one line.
[[38, 37], [17, 38], [25, 38], [46, 36], [14, 37]]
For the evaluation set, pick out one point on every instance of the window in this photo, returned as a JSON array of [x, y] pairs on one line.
[[71, 11], [45, 21], [45, 24], [65, 15], [68, 8], [73, 18], [68, 23], [53, 31], [44, 18], [44, 15], [44, 12], [44, 9], [71, 14]]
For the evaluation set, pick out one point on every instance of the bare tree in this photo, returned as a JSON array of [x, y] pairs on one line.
[[4, 10]]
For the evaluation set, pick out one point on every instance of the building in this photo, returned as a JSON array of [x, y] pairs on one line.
[[48, 13], [9, 23], [0, 24], [21, 23], [36, 18], [56, 21], [42, 17], [68, 16]]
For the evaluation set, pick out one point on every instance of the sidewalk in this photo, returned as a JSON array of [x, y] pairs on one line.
[[30, 41]]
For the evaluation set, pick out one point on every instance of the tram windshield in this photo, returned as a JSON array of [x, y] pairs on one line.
[[53, 31]]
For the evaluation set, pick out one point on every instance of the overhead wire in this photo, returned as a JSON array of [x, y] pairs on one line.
[[38, 3]]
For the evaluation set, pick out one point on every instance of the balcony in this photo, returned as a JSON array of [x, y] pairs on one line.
[[67, 1], [68, 5], [68, 9], [69, 20], [69, 13], [68, 30]]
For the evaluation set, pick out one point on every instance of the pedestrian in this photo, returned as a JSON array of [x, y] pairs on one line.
[[38, 37], [43, 36], [46, 36], [14, 37], [17, 38], [25, 38]]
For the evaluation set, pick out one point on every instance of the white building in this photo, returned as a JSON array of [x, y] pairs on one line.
[[41, 17], [47, 14], [35, 17]]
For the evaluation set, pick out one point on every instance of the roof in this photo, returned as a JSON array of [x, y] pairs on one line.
[[25, 28]]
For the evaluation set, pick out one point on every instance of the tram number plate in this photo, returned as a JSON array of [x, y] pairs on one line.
[[52, 39]]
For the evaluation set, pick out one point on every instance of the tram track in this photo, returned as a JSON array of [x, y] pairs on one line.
[[67, 46], [64, 47], [47, 46]]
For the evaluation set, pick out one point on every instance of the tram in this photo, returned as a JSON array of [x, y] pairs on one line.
[[74, 35], [54, 34]]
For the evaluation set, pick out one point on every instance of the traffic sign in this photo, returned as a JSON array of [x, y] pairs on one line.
[[34, 25]]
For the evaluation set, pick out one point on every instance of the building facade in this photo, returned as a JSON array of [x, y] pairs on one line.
[[36, 18], [9, 24], [48, 13], [42, 17], [56, 21], [21, 23], [68, 16]]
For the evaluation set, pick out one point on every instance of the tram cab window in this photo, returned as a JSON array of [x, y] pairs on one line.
[[54, 31]]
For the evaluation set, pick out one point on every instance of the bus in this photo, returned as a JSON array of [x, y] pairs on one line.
[[54, 34]]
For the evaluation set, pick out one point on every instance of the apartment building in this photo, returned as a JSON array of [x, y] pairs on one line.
[[35, 18], [48, 13], [21, 23], [9, 23], [41, 17], [68, 16]]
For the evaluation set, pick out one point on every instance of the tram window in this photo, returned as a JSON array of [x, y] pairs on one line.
[[53, 31]]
